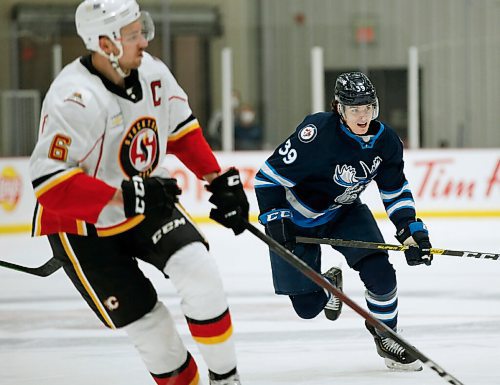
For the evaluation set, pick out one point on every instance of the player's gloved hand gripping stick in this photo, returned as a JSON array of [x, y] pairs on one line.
[[279, 226], [415, 234], [147, 195], [231, 204]]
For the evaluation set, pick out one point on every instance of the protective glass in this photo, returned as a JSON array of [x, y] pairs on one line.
[[147, 30]]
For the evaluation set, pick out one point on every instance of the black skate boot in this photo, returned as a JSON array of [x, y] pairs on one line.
[[395, 356], [231, 378], [334, 306]]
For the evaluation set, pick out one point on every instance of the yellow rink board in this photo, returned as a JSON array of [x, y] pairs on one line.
[[26, 228]]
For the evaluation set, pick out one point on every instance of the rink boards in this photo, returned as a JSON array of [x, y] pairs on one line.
[[445, 183]]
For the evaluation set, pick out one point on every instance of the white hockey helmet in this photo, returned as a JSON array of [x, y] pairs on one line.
[[95, 18]]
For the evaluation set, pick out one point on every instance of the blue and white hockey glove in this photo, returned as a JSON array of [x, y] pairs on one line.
[[415, 235], [279, 226]]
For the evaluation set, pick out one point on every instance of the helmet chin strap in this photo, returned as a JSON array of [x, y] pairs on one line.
[[113, 59]]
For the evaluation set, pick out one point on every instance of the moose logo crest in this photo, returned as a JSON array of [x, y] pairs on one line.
[[345, 176]]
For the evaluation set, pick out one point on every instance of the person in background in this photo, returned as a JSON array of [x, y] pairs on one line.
[[214, 126], [310, 186], [104, 200], [247, 133]]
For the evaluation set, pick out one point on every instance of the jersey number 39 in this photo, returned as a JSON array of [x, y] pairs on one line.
[[290, 154]]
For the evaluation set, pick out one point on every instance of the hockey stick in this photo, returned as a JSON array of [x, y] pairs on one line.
[[317, 278], [386, 246], [49, 267]]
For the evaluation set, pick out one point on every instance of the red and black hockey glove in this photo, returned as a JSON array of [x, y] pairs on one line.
[[231, 204], [415, 235], [279, 226], [147, 195]]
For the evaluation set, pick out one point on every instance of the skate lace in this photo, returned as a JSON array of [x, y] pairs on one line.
[[333, 303], [393, 347]]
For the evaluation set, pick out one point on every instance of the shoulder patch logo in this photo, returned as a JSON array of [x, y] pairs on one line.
[[308, 133], [75, 97]]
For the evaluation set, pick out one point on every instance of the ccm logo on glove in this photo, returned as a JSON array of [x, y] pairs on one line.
[[279, 226], [147, 195], [274, 215], [140, 193], [233, 180], [231, 204]]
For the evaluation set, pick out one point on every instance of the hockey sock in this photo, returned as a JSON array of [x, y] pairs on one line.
[[384, 307]]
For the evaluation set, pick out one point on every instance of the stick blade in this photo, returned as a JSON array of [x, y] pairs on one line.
[[48, 268]]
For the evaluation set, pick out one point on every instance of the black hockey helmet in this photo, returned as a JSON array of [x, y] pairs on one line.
[[355, 89]]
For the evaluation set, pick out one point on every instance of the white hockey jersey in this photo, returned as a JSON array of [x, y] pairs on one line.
[[93, 134]]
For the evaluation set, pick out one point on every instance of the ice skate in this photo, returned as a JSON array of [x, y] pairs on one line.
[[215, 379], [395, 356], [334, 306]]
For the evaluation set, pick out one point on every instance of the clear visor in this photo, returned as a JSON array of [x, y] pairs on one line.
[[148, 26], [147, 30], [367, 109]]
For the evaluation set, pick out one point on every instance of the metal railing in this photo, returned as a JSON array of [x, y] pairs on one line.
[[19, 119]]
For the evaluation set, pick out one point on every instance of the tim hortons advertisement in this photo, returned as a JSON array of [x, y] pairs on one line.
[[444, 183]]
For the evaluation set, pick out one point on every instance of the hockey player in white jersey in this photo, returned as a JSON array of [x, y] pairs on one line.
[[104, 200]]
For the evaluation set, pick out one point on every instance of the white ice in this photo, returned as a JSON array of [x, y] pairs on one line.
[[449, 311]]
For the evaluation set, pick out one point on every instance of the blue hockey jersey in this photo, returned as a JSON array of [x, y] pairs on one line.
[[322, 168]]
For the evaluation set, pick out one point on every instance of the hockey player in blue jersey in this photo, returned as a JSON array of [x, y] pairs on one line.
[[310, 186]]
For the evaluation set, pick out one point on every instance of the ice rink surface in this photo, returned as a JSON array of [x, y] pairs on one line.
[[449, 311]]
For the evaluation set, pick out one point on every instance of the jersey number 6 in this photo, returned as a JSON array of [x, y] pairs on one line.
[[59, 148]]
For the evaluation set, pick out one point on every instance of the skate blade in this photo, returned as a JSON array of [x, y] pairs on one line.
[[411, 367], [332, 315]]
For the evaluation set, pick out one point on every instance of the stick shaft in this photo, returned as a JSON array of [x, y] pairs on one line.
[[327, 285], [389, 247]]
